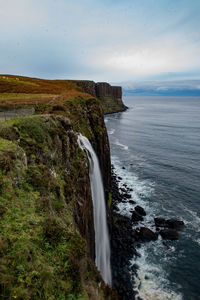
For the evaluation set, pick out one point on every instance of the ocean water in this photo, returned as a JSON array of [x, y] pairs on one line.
[[157, 140]]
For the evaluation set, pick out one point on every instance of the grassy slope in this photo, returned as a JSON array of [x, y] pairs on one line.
[[42, 255], [17, 91]]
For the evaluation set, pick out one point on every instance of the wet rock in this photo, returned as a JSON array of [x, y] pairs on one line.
[[175, 224], [169, 223], [127, 196], [132, 201], [160, 222], [166, 245], [147, 235], [169, 234], [140, 210], [136, 217]]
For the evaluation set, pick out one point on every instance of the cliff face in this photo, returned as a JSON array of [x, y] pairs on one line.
[[46, 227], [110, 96], [46, 224]]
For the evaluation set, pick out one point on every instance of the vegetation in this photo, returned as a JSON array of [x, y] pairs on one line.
[[44, 192], [42, 255]]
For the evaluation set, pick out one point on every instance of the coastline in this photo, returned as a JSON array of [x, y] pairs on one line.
[[128, 239], [117, 111]]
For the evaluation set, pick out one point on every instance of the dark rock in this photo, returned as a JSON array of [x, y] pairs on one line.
[[123, 168], [127, 196], [132, 201], [119, 178], [170, 223], [136, 217], [175, 224], [160, 222], [169, 234], [147, 235], [166, 245], [140, 210]]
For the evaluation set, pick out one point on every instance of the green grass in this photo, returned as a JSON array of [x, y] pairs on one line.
[[42, 255]]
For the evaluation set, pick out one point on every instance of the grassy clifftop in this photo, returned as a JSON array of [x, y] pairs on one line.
[[46, 215]]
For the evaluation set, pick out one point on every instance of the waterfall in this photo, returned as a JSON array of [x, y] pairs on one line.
[[102, 245]]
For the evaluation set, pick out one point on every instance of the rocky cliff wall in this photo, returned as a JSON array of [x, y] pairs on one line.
[[46, 225], [110, 96]]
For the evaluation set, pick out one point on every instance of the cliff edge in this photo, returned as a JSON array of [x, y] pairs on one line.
[[46, 226], [110, 96]]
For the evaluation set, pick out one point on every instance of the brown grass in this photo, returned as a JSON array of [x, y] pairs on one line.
[[19, 90]]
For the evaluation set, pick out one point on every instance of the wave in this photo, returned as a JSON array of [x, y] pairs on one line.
[[125, 147], [151, 280], [111, 131]]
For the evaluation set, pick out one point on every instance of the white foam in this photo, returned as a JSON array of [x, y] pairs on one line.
[[141, 188], [193, 219], [157, 286], [151, 282], [197, 241], [111, 131], [125, 147]]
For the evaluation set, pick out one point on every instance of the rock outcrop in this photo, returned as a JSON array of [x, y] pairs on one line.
[[110, 96]]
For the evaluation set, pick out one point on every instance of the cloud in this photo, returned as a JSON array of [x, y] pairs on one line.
[[100, 40], [177, 87]]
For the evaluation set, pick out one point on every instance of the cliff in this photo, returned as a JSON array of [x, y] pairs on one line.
[[46, 226], [110, 96]]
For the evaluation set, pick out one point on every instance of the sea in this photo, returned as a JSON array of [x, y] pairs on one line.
[[155, 148]]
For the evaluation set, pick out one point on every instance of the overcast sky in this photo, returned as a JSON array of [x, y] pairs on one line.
[[102, 40]]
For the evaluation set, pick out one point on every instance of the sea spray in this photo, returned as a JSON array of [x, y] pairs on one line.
[[102, 245]]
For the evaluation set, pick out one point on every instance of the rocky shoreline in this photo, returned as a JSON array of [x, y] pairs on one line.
[[127, 235], [116, 111]]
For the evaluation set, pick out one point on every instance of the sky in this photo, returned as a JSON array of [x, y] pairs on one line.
[[118, 41]]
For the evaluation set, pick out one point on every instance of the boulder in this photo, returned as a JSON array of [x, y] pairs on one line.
[[132, 201], [169, 234], [160, 222], [136, 217], [140, 210], [127, 196], [170, 223], [175, 224], [147, 235]]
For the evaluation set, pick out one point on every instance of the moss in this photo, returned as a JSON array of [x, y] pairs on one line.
[[111, 105], [42, 177], [53, 230], [109, 200]]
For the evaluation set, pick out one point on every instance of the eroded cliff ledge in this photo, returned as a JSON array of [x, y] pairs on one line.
[[110, 96]]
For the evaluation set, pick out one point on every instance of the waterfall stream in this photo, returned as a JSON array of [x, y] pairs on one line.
[[102, 245]]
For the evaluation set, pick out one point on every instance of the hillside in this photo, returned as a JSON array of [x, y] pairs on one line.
[[46, 225], [19, 91]]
